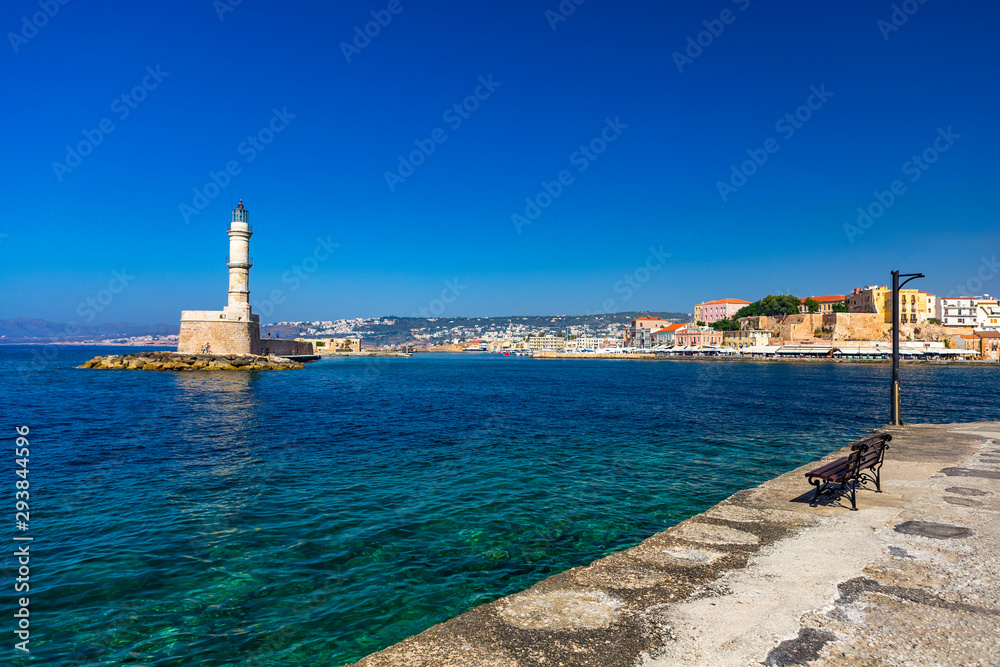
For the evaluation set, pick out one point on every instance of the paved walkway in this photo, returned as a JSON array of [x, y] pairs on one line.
[[912, 578]]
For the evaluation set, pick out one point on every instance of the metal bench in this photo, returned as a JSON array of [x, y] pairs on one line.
[[862, 465]]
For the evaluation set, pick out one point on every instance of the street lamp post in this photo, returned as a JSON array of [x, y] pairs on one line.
[[894, 417]]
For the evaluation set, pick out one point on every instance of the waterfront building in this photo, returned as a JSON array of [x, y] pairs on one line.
[[868, 299], [958, 311], [988, 314], [507, 345], [699, 336], [826, 303], [581, 343], [970, 342], [989, 344], [235, 329], [720, 309], [547, 342], [640, 333], [915, 306], [668, 334], [745, 338], [329, 345]]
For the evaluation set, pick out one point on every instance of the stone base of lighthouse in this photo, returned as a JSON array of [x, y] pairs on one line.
[[229, 331]]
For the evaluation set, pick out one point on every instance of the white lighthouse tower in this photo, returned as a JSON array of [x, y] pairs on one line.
[[234, 329], [239, 264]]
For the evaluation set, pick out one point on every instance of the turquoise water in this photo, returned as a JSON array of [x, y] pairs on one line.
[[312, 517]]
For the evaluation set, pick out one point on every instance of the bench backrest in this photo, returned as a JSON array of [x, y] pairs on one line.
[[869, 452]]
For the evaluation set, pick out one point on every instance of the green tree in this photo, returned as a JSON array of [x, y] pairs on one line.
[[778, 307], [840, 307], [725, 324], [811, 304]]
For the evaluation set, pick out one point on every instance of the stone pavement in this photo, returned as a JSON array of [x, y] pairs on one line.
[[912, 578]]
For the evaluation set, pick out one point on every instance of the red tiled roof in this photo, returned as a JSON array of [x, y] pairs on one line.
[[708, 303], [823, 299]]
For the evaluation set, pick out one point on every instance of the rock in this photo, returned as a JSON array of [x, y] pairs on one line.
[[174, 361]]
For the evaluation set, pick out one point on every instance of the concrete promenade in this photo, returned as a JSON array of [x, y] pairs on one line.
[[912, 578]]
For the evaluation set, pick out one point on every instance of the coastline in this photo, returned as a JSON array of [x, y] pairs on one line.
[[763, 577], [662, 357]]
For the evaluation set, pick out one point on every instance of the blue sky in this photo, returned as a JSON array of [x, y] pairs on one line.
[[202, 78]]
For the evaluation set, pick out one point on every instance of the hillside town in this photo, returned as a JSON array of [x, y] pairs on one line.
[[857, 325]]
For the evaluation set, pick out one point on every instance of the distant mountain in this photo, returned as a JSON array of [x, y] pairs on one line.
[[22, 327]]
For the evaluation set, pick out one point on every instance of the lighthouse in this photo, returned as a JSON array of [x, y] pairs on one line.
[[234, 329], [239, 263]]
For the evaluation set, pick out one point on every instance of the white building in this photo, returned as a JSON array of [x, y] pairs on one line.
[[583, 343], [988, 315], [958, 311], [547, 342]]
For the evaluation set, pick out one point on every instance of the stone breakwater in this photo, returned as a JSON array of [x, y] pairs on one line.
[[911, 578], [177, 361]]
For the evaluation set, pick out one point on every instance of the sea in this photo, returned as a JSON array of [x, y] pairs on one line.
[[312, 517]]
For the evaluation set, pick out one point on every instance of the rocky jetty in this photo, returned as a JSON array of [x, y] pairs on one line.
[[176, 361]]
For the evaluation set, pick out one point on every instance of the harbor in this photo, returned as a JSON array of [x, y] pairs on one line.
[[765, 578]]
